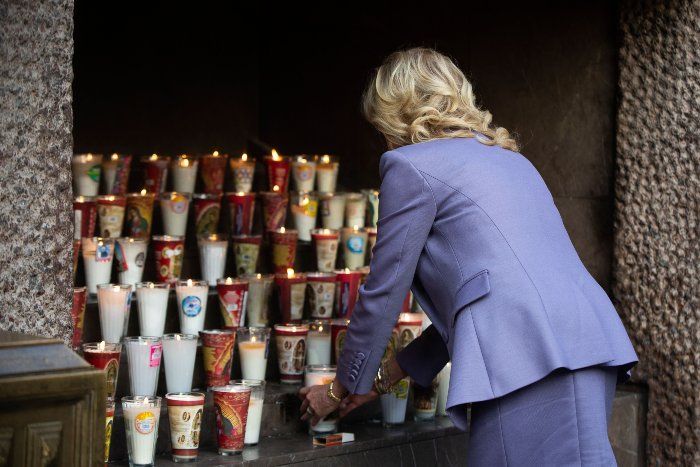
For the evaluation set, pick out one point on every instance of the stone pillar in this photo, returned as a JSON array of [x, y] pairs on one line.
[[36, 228], [657, 250]]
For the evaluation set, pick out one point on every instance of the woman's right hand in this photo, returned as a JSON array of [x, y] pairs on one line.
[[354, 401]]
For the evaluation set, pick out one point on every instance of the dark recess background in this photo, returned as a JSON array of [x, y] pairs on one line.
[[150, 77]]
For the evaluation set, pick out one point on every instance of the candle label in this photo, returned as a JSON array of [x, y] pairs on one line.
[[231, 418], [241, 208], [326, 254], [156, 353], [275, 210], [246, 257], [304, 172], [145, 422], [94, 173], [122, 265], [185, 425], [355, 212], [425, 399], [408, 332], [103, 253], [178, 204], [111, 220], [109, 420], [297, 292], [217, 353], [140, 260], [326, 207], [212, 172], [191, 306], [321, 299], [169, 256], [207, 213], [139, 215], [78, 315], [400, 389], [77, 223], [111, 370], [291, 353], [309, 209], [156, 175], [243, 178], [356, 244]]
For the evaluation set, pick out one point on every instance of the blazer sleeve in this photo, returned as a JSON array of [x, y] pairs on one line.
[[423, 358], [407, 210]]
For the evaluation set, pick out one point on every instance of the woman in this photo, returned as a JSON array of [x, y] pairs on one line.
[[469, 226]]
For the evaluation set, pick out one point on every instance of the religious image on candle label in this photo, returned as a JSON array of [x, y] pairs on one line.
[[103, 253], [191, 306], [145, 422]]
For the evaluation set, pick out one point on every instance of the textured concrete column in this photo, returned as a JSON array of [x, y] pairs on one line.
[[36, 48], [657, 250]]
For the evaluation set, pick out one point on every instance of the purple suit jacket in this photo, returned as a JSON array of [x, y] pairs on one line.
[[473, 231]]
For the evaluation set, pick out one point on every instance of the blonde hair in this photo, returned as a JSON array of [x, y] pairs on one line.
[[419, 95]]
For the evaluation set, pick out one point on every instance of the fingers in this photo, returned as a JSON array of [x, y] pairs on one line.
[[304, 408], [315, 420], [303, 392], [348, 408]]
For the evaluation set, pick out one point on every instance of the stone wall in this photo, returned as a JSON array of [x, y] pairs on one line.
[[36, 229], [656, 224]]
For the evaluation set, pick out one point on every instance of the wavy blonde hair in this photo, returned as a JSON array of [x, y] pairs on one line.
[[419, 95]]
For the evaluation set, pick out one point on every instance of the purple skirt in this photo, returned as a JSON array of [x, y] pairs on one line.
[[560, 420]]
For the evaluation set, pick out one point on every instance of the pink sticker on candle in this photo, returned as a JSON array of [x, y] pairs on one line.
[[156, 352]]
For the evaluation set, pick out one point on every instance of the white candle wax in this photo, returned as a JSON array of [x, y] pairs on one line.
[[328, 424], [109, 173], [184, 175], [212, 259], [141, 423], [354, 247], [333, 210], [318, 350], [303, 173], [253, 359], [252, 428], [326, 177], [443, 388], [192, 305], [259, 290], [153, 306], [143, 356], [304, 212], [394, 404], [355, 206], [179, 353], [86, 174], [98, 256], [113, 302], [132, 258], [174, 208]]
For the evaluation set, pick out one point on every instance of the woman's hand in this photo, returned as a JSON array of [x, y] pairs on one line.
[[353, 401], [316, 403]]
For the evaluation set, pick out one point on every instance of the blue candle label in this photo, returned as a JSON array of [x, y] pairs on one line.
[[103, 253], [356, 244], [191, 306]]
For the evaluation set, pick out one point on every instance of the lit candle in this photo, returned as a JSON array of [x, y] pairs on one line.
[[292, 293], [259, 291], [315, 375], [253, 346], [243, 170], [348, 286], [284, 248], [86, 174], [304, 210], [410, 326], [332, 210], [278, 168], [139, 214], [179, 353], [326, 242], [114, 302], [241, 210], [212, 257], [255, 408], [354, 247], [355, 207], [184, 170], [115, 173], [84, 217], [111, 209], [213, 170], [274, 209], [141, 417], [207, 211], [192, 304], [152, 301], [233, 295], [394, 404], [105, 357], [318, 343], [303, 173], [169, 252], [143, 355], [326, 173], [291, 351], [246, 249], [185, 411], [321, 289], [174, 207], [155, 172], [131, 258], [217, 355]]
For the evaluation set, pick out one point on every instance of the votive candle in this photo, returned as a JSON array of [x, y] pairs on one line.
[[141, 417], [86, 174], [152, 303], [259, 292], [174, 208], [253, 348], [179, 353], [192, 305], [184, 169], [143, 355], [318, 343], [326, 173], [114, 302]]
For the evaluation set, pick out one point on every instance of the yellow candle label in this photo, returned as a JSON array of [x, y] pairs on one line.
[[145, 422]]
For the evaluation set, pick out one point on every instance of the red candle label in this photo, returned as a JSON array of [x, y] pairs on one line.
[[217, 350], [212, 170], [85, 219], [232, 299], [278, 173], [168, 254], [275, 210], [242, 207], [156, 174], [346, 293], [231, 418], [78, 315], [207, 213]]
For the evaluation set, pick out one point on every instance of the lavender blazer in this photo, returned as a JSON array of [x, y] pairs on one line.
[[473, 231]]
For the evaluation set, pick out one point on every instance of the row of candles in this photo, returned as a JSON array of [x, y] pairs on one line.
[[303, 353], [307, 172]]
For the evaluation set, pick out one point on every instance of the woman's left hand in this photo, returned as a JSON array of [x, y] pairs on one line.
[[316, 403]]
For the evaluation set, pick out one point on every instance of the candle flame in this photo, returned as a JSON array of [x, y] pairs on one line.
[[145, 400], [253, 339], [154, 157], [115, 156], [355, 228], [189, 282], [229, 281], [115, 288], [259, 276], [177, 337], [326, 159], [290, 273], [276, 188], [101, 346], [151, 285], [275, 156], [143, 192], [282, 230], [305, 201], [244, 157], [184, 161], [215, 154], [302, 160]]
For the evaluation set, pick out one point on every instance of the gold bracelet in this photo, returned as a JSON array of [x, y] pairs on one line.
[[382, 383], [332, 396]]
